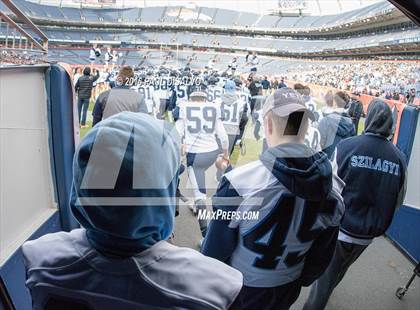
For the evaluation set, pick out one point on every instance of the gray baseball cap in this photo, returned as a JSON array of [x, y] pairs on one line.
[[285, 101]]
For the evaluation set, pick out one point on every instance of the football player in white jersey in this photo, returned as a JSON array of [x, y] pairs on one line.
[[305, 91], [148, 91], [162, 94], [200, 126], [233, 107], [313, 138], [289, 238], [214, 91], [243, 91], [234, 110]]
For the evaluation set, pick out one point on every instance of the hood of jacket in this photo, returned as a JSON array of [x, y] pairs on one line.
[[302, 171], [379, 120], [125, 174]]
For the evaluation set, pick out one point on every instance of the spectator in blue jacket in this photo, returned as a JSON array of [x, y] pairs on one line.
[[282, 84], [374, 171], [337, 125], [265, 83]]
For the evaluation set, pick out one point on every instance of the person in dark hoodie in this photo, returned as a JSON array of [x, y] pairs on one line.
[[374, 172], [120, 258], [337, 125], [298, 204], [83, 88]]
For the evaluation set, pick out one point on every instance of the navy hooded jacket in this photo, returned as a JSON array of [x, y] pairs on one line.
[[374, 171], [333, 128], [299, 208]]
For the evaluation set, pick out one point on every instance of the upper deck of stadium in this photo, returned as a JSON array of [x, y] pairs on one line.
[[213, 18], [374, 28]]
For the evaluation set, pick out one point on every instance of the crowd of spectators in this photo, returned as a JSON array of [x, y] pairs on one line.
[[11, 57], [384, 79]]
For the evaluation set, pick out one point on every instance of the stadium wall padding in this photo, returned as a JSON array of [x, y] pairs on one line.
[[59, 111], [405, 227], [60, 105]]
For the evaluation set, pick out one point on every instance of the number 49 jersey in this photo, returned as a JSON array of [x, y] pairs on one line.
[[199, 123], [272, 249]]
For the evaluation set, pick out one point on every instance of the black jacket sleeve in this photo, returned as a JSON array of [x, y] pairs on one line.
[[95, 77], [319, 255], [76, 87], [99, 107]]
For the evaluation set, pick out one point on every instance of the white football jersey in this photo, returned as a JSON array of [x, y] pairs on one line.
[[199, 123], [214, 92], [181, 91], [148, 92], [313, 138], [232, 115], [271, 250], [162, 89], [311, 105]]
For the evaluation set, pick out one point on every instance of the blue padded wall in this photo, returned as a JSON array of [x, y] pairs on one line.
[[405, 227], [62, 147], [61, 141]]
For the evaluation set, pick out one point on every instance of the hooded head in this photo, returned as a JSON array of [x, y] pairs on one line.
[[230, 86], [379, 119], [125, 174], [86, 71]]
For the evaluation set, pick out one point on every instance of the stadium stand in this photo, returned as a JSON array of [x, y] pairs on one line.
[[221, 17], [384, 27]]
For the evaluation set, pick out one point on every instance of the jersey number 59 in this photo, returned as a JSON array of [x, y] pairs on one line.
[[201, 119]]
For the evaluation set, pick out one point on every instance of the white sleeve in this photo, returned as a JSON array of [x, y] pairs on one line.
[[180, 127], [221, 133], [338, 183]]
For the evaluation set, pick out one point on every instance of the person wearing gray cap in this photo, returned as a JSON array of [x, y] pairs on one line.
[[293, 190]]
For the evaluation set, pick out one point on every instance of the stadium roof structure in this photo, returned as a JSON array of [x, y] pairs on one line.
[[376, 29], [204, 17], [306, 7]]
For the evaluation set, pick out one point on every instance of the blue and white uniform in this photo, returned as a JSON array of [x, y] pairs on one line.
[[199, 124], [214, 93], [313, 138], [148, 91], [299, 211], [162, 93]]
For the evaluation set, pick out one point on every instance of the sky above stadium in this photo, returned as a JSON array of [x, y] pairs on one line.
[[312, 7]]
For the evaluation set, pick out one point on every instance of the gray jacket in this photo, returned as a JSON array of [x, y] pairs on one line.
[[162, 277]]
